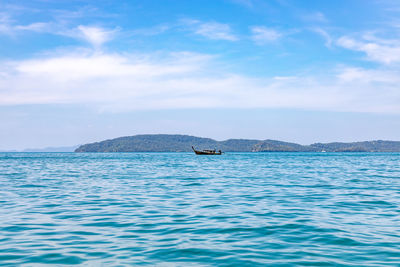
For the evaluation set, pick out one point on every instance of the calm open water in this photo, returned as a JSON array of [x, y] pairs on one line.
[[178, 209]]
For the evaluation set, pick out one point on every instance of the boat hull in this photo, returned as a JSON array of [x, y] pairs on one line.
[[206, 152]]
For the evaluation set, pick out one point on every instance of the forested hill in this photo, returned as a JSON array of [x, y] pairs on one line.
[[183, 143], [166, 143]]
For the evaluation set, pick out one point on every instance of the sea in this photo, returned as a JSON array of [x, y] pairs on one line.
[[179, 209]]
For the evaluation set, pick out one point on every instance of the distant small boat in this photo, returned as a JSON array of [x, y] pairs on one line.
[[207, 152]]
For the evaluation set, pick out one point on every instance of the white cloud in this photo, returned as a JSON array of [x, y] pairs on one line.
[[379, 50], [95, 35], [364, 76], [263, 35], [328, 39], [117, 82], [4, 18], [86, 66], [315, 17], [35, 27], [213, 30], [5, 22], [155, 30], [9, 27]]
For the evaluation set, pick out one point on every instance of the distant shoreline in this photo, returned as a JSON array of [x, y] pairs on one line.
[[187, 152], [183, 143]]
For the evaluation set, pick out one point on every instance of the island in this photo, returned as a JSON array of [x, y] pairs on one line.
[[184, 143]]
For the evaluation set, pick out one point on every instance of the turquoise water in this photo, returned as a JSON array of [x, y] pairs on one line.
[[178, 209]]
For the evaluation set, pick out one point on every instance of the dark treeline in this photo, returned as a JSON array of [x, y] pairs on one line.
[[183, 143]]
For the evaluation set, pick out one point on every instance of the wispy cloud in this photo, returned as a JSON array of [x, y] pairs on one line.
[[327, 37], [368, 76], [155, 30], [211, 30], [5, 22], [67, 15], [9, 28], [63, 23], [95, 35], [117, 82], [315, 17], [263, 35], [386, 51], [35, 27], [10, 20]]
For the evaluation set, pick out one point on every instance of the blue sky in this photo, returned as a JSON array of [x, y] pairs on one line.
[[73, 72]]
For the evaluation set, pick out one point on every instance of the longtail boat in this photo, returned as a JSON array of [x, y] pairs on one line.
[[207, 152]]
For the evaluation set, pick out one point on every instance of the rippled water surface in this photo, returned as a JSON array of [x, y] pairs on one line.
[[178, 209]]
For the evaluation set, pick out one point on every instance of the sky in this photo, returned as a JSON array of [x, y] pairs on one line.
[[73, 72]]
